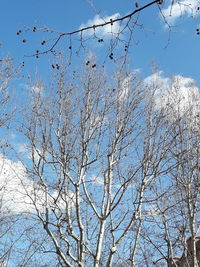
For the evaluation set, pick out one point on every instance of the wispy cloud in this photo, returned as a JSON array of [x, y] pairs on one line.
[[177, 9], [105, 31]]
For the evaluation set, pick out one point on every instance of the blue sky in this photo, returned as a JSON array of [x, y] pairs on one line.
[[175, 52], [179, 56]]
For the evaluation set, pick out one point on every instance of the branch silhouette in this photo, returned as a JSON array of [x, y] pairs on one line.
[[96, 26]]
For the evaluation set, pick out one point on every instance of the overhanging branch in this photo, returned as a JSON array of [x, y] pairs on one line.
[[96, 26]]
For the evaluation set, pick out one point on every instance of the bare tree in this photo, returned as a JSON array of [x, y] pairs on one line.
[[172, 224], [186, 175], [109, 174], [97, 147], [8, 73]]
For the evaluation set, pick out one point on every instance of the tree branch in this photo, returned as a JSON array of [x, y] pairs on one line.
[[81, 30]]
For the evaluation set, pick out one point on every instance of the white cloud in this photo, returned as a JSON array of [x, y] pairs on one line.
[[22, 148], [38, 88], [184, 95], [179, 9], [61, 200], [102, 31], [125, 87], [35, 154], [178, 96], [13, 183], [157, 80], [98, 180], [19, 194]]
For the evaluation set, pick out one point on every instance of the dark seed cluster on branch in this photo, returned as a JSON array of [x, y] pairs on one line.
[[56, 66], [100, 40], [88, 63], [20, 31], [111, 56]]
